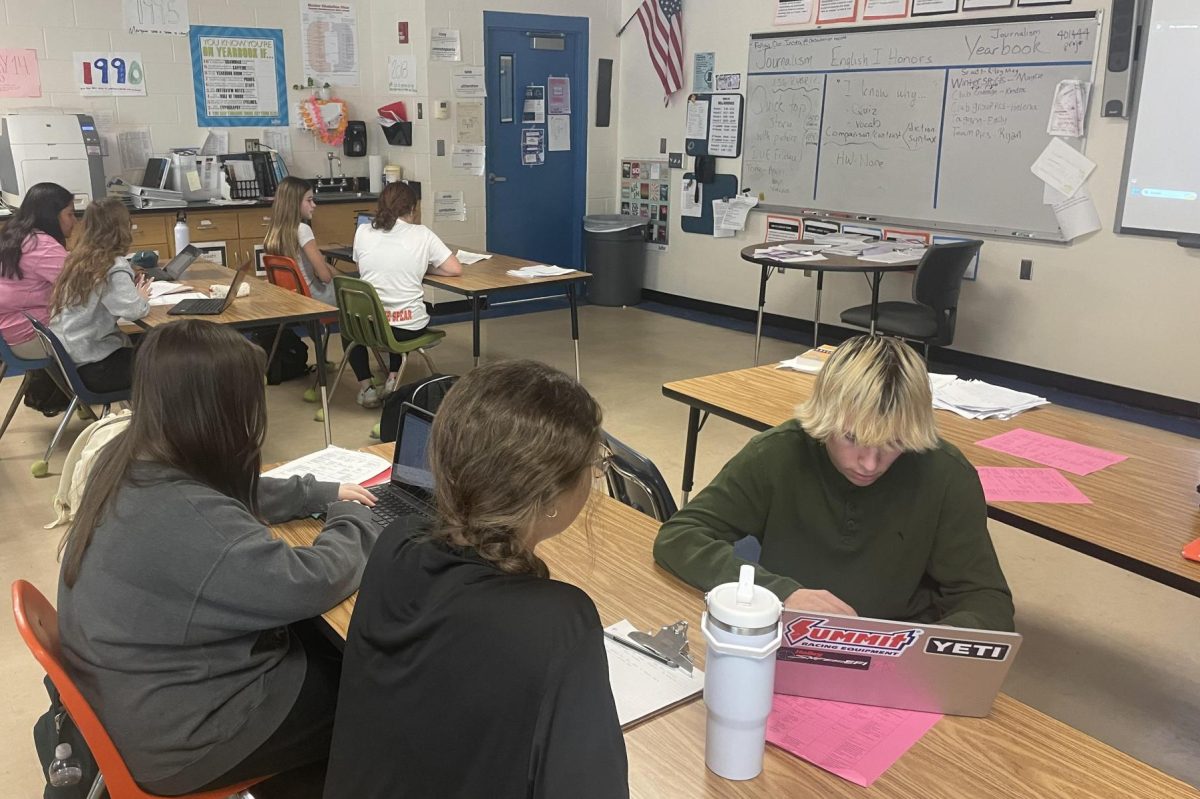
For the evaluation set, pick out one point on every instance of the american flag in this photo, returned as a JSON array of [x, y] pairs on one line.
[[662, 23]]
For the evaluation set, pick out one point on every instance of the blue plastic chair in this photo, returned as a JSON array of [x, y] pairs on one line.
[[80, 392], [634, 480], [8, 358]]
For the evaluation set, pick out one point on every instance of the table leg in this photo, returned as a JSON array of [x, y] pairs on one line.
[[574, 325], [817, 310], [876, 279], [475, 303], [762, 300], [695, 422], [319, 342]]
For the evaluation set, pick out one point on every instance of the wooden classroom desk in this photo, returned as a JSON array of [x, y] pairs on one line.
[[1013, 753], [830, 263], [1143, 511], [485, 278], [266, 305]]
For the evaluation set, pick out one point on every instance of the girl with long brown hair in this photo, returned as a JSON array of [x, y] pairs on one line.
[[468, 671], [393, 254], [181, 615], [96, 288], [290, 234]]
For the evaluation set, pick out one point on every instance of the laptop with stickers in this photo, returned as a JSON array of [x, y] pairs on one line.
[[927, 667]]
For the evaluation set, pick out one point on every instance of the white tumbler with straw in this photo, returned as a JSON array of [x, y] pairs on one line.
[[742, 628]]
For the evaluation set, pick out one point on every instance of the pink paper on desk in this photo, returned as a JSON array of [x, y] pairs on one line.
[[1075, 458], [856, 742], [1029, 485]]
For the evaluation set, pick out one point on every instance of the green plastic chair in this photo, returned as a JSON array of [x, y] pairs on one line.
[[363, 321]]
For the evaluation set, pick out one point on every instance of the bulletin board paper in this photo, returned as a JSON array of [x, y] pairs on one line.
[[19, 73]]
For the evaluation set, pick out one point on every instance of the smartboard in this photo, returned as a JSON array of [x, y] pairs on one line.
[[1161, 186], [933, 123]]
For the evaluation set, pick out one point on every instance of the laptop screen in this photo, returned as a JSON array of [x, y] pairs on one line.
[[364, 219], [411, 463]]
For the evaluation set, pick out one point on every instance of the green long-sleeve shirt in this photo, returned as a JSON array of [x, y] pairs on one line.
[[912, 546]]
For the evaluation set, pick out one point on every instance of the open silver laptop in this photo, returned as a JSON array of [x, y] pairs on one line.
[[926, 667]]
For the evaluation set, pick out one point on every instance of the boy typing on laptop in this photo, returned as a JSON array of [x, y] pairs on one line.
[[859, 507]]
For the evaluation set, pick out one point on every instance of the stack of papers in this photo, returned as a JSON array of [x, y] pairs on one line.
[[975, 399], [838, 239], [789, 255], [539, 271], [893, 257], [811, 361], [160, 287], [334, 465], [172, 299], [467, 258]]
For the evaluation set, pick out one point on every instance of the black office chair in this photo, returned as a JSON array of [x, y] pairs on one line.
[[634, 480], [931, 316]]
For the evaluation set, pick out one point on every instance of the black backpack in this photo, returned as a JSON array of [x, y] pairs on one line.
[[426, 394], [291, 356], [55, 727]]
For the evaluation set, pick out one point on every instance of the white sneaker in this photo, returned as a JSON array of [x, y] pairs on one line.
[[390, 385], [368, 397]]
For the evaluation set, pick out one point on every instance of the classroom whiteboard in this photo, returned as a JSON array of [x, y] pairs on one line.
[[928, 124]]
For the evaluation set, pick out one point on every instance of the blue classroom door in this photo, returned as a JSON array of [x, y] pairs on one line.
[[535, 211]]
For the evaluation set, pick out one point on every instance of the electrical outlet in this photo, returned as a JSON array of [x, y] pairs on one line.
[[675, 160], [662, 145], [441, 109], [420, 110], [1026, 269]]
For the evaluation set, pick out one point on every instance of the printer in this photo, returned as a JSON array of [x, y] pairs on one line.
[[50, 148]]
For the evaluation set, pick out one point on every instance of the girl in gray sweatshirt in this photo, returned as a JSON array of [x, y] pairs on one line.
[[179, 611], [96, 288]]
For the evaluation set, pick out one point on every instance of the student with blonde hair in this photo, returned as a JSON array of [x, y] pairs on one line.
[[469, 672], [95, 290], [290, 234], [859, 506]]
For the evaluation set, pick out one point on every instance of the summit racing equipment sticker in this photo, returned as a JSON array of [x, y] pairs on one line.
[[820, 634]]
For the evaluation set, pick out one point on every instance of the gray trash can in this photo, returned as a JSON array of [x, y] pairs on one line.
[[616, 257]]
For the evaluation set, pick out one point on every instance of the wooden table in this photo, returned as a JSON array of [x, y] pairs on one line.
[[485, 278], [831, 263], [1015, 752], [266, 305], [1144, 509]]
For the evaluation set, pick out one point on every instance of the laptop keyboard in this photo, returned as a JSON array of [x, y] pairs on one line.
[[210, 306], [391, 504]]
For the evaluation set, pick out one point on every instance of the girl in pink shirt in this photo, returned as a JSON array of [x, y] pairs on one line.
[[32, 252]]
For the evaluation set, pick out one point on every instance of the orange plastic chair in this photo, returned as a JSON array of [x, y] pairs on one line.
[[285, 273], [37, 622]]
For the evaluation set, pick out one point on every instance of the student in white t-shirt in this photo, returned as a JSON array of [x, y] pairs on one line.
[[291, 235], [394, 254]]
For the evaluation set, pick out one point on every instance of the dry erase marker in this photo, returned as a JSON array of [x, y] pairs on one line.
[[639, 648]]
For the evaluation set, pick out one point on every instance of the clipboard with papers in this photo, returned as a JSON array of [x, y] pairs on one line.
[[642, 685]]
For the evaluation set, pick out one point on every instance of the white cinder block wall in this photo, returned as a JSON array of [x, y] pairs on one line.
[[59, 28], [1119, 309]]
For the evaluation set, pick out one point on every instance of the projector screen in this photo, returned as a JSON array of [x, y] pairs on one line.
[[1161, 191]]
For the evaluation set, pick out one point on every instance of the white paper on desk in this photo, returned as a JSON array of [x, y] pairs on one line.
[[172, 299], [1077, 215], [334, 465], [1063, 167], [539, 270], [689, 204], [893, 257], [801, 364], [467, 258], [641, 686], [160, 287], [1068, 111], [720, 209]]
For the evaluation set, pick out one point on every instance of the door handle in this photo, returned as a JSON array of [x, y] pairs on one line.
[[494, 178]]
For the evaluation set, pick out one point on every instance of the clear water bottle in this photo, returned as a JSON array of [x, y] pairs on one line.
[[64, 769]]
